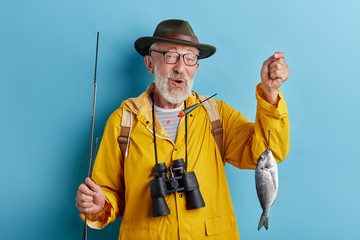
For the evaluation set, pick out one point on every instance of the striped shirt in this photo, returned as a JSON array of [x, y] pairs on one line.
[[169, 120]]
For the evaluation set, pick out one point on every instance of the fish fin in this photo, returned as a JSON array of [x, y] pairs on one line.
[[266, 224], [264, 221], [275, 179]]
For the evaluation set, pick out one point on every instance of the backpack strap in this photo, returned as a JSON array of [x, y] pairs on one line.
[[214, 117], [124, 137]]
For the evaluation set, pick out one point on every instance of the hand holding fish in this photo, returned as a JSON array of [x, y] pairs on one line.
[[274, 73], [90, 198]]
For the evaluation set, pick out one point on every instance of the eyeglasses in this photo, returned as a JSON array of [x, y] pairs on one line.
[[190, 59]]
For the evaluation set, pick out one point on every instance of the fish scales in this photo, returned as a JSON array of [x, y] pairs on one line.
[[266, 180]]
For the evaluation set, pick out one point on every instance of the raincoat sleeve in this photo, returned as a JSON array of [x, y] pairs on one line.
[[244, 141], [108, 173]]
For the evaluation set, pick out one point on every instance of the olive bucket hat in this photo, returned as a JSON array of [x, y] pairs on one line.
[[174, 31]]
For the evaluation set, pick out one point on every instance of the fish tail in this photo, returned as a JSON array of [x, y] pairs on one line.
[[264, 221]]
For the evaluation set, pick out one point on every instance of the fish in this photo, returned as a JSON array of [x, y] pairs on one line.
[[266, 181]]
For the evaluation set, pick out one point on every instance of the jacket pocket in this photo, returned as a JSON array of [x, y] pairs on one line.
[[219, 225]]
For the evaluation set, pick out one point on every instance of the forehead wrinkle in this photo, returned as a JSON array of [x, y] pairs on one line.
[[176, 47]]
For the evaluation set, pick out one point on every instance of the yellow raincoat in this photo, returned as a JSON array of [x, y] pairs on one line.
[[126, 182]]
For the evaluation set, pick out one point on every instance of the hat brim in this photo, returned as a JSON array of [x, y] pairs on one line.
[[143, 44]]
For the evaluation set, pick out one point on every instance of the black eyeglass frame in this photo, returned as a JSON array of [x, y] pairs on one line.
[[178, 57]]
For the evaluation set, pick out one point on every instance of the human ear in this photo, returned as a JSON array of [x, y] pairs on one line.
[[197, 65], [149, 62]]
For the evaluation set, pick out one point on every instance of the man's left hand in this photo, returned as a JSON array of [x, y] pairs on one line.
[[274, 73]]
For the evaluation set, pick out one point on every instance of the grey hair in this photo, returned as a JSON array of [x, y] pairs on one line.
[[153, 46]]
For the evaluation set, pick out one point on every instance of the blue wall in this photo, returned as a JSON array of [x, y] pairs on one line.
[[47, 51]]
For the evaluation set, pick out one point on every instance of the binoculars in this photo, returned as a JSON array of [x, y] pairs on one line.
[[179, 182]]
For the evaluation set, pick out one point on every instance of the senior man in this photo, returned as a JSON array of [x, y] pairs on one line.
[[120, 184]]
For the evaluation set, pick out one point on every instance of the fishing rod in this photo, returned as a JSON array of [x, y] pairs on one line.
[[92, 128]]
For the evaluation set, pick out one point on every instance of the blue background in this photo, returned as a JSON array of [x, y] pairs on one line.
[[47, 52]]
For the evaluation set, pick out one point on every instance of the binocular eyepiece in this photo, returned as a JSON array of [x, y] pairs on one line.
[[180, 182]]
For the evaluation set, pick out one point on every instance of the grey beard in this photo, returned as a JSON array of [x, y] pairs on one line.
[[173, 95]]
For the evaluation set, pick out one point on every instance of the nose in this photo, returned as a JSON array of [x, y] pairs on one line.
[[180, 66]]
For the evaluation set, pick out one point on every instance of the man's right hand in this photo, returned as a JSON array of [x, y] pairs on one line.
[[90, 198]]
